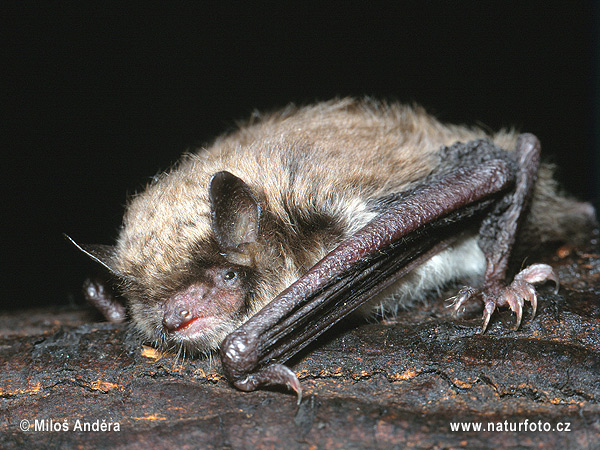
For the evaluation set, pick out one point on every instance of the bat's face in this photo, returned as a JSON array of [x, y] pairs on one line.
[[198, 316], [194, 267]]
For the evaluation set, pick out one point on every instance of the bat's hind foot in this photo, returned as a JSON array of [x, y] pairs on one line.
[[514, 295]]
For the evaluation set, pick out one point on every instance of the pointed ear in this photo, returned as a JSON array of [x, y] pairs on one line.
[[103, 254], [235, 211]]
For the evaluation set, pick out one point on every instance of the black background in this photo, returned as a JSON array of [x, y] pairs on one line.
[[98, 99]]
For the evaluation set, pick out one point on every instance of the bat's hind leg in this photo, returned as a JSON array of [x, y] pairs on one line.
[[496, 238]]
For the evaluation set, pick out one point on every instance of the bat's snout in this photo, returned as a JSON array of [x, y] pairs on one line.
[[181, 309]]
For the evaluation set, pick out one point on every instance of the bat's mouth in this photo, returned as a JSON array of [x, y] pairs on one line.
[[187, 324], [195, 325]]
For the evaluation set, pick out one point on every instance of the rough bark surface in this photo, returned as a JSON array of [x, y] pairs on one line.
[[394, 384]]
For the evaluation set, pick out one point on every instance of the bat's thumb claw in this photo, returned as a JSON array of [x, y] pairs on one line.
[[273, 375], [278, 374]]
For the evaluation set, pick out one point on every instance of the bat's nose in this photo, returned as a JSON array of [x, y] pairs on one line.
[[176, 319], [181, 308]]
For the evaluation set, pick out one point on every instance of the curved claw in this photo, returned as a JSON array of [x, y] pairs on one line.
[[533, 301], [273, 375], [515, 302], [488, 310]]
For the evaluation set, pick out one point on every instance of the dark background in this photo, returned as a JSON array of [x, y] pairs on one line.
[[97, 99]]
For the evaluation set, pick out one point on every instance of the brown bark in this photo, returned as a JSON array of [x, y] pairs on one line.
[[395, 383]]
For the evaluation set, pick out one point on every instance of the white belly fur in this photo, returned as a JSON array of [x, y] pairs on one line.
[[462, 261]]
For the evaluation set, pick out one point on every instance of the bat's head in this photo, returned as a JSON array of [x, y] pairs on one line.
[[194, 260]]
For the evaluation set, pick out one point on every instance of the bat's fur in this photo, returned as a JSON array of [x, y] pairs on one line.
[[315, 171]]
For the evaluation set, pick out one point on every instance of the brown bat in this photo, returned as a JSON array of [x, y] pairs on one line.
[[260, 242]]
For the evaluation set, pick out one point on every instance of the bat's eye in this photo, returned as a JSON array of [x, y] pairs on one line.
[[230, 276]]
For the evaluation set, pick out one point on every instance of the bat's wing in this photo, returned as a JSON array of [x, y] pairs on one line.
[[411, 229]]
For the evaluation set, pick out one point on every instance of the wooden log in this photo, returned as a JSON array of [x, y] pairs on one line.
[[398, 383]]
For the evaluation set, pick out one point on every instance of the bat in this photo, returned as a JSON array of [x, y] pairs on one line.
[[264, 239]]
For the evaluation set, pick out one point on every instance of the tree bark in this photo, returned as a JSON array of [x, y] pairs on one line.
[[397, 383]]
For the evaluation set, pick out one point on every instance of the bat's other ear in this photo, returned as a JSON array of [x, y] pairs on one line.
[[235, 211], [103, 254]]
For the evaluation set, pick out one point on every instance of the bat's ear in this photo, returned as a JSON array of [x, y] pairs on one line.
[[235, 211], [103, 254]]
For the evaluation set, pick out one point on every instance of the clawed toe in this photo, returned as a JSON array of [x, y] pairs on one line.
[[463, 296], [516, 294], [538, 273]]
